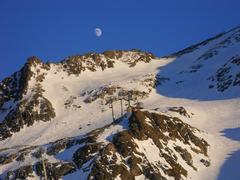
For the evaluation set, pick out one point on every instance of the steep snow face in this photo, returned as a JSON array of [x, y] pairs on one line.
[[209, 72], [81, 92]]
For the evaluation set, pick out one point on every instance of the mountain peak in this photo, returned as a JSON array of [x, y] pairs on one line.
[[33, 60], [121, 114]]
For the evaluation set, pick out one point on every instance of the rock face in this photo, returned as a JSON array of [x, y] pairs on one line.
[[92, 61], [23, 172], [152, 144], [148, 130], [19, 110], [227, 75]]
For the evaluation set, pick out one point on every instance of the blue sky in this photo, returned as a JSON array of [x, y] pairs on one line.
[[55, 29]]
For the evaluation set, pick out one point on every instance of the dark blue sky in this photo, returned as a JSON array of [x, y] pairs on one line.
[[54, 29]]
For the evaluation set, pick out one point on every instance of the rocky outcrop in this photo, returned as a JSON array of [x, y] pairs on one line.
[[226, 76], [123, 157], [54, 170], [24, 111], [126, 155], [110, 93], [23, 172], [7, 158], [180, 110], [92, 61], [233, 38], [15, 86]]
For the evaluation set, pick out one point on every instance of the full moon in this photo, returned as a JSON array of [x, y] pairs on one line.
[[98, 32]]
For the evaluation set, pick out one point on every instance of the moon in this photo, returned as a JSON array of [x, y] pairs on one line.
[[98, 32]]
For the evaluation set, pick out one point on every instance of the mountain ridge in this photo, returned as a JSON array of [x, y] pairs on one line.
[[73, 115]]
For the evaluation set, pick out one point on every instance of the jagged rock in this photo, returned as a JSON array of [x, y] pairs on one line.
[[224, 78], [92, 61], [110, 93], [134, 164], [123, 149], [85, 153], [124, 143], [21, 157], [113, 54], [38, 153], [205, 162], [56, 147], [181, 110], [55, 170], [21, 173], [24, 114], [161, 80], [185, 155], [14, 88], [237, 80], [122, 157], [7, 158], [209, 54]]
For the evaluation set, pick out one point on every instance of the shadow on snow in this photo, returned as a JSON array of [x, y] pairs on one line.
[[178, 82], [230, 169]]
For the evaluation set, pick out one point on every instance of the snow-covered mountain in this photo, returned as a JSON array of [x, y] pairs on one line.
[[123, 114]]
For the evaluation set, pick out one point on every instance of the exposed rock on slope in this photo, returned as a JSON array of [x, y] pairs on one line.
[[227, 75], [148, 144], [22, 99], [93, 61], [113, 92]]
